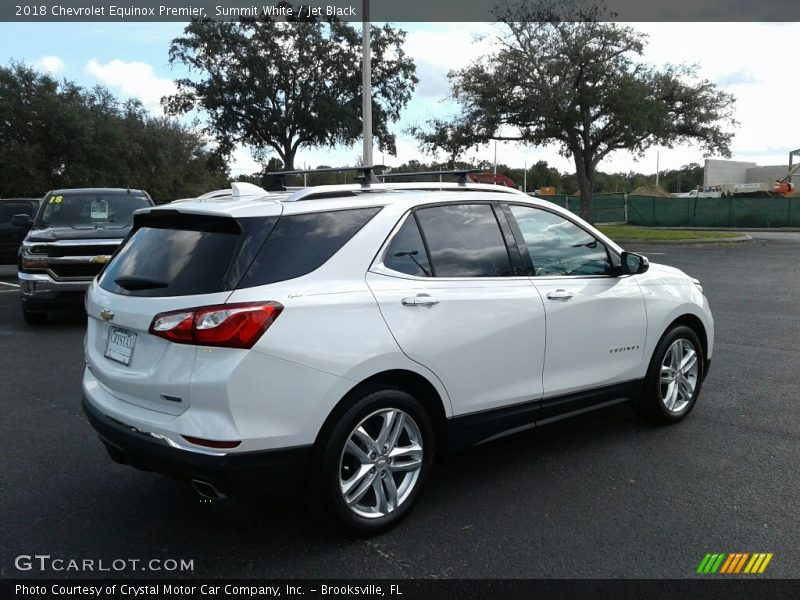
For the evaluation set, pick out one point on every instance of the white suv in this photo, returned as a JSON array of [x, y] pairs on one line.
[[343, 337]]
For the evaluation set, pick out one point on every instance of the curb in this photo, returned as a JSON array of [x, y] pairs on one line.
[[691, 241]]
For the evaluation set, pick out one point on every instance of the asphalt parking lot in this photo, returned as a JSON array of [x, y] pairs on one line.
[[603, 495]]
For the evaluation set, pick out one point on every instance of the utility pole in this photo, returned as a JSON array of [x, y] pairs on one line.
[[525, 178], [495, 160], [366, 84], [658, 157]]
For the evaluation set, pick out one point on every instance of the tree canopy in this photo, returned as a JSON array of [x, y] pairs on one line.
[[57, 135], [580, 85], [277, 86]]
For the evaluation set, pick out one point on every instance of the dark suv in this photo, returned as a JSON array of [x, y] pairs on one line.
[[11, 236], [72, 237]]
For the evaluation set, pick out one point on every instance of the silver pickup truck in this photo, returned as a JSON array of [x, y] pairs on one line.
[[71, 238]]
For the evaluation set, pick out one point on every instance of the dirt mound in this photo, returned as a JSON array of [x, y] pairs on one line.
[[650, 190]]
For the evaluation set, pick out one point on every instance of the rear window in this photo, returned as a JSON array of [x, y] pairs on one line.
[[90, 210], [299, 244], [175, 254], [174, 257]]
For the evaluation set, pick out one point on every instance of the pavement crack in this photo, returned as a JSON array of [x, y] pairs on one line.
[[756, 428], [390, 557], [739, 343]]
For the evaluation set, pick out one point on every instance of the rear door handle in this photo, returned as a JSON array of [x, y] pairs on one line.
[[559, 295], [420, 300]]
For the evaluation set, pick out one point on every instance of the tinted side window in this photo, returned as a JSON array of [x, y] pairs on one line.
[[9, 209], [406, 252], [301, 243], [558, 246], [464, 241]]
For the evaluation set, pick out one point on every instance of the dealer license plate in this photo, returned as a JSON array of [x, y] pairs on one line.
[[119, 346]]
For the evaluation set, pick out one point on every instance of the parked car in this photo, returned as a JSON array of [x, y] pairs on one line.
[[11, 236], [72, 237], [345, 337]]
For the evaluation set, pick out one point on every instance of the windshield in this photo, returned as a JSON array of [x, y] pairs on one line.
[[91, 211]]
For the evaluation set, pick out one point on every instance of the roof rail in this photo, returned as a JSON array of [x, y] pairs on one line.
[[461, 174], [328, 191], [366, 176]]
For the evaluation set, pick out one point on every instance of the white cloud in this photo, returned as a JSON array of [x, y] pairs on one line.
[[750, 60], [243, 163], [746, 59], [133, 79], [51, 64], [449, 46]]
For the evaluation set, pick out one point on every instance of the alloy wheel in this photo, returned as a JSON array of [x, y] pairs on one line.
[[380, 463], [679, 372]]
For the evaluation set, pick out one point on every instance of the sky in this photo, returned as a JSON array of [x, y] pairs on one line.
[[755, 61]]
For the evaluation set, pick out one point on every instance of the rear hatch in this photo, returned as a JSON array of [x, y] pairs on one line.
[[173, 260]]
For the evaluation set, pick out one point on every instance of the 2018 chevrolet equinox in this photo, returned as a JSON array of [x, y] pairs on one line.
[[346, 336]]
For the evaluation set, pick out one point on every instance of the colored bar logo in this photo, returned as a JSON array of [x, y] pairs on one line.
[[734, 563]]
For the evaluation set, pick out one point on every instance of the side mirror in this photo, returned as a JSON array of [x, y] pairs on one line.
[[632, 263], [22, 221]]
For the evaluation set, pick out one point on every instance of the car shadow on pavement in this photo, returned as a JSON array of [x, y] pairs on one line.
[[264, 536], [272, 523]]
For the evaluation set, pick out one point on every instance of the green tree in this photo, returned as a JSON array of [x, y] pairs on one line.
[[58, 135], [580, 85], [687, 178], [278, 86]]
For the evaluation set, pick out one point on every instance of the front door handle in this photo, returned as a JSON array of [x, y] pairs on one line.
[[420, 300], [559, 295]]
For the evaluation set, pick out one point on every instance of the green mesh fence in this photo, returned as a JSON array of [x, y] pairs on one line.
[[558, 199], [607, 207], [714, 212], [689, 212]]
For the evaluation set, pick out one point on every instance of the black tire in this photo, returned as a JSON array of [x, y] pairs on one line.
[[651, 404], [34, 317], [329, 463]]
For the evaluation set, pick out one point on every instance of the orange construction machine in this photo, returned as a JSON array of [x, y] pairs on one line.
[[784, 186]]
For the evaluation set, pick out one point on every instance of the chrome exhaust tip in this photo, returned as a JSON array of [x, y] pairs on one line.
[[207, 490]]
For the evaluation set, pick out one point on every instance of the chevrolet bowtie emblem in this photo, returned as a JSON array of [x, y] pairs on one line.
[[101, 258], [107, 315]]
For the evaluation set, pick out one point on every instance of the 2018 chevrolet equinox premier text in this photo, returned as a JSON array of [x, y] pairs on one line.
[[344, 336]]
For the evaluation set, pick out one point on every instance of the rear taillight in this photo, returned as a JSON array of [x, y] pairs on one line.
[[225, 325]]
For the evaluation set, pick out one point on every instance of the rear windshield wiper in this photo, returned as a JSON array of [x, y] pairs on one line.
[[139, 283]]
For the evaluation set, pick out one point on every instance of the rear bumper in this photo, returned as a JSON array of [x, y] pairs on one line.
[[273, 471], [39, 290]]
